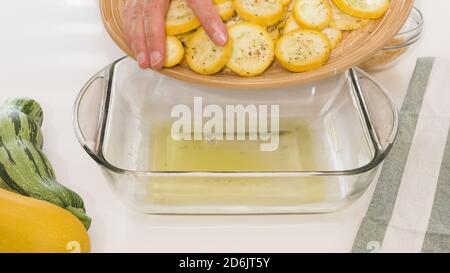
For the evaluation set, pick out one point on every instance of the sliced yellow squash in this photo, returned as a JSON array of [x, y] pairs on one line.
[[174, 51], [370, 9], [280, 25], [343, 21], [180, 18], [290, 6], [253, 49], [262, 12], [274, 32], [204, 56], [303, 50], [234, 20], [291, 25], [312, 14], [334, 36], [225, 9], [184, 37], [287, 14]]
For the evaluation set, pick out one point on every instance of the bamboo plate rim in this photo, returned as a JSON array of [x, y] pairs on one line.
[[363, 43]]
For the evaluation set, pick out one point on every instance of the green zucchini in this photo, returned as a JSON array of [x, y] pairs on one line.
[[24, 168]]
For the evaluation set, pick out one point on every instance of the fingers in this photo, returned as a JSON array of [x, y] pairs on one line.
[[145, 28], [210, 19], [154, 14], [145, 31], [137, 34], [126, 15]]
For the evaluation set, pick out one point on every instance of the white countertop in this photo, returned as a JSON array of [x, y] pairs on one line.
[[51, 48]]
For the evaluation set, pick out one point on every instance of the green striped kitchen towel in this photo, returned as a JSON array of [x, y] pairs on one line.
[[410, 209]]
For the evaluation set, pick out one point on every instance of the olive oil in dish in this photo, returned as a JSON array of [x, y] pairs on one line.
[[294, 153]]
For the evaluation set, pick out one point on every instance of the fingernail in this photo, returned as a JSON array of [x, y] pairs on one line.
[[219, 34], [141, 59], [220, 37], [155, 58]]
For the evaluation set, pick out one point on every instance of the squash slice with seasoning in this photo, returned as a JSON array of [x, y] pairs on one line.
[[235, 19], [225, 10], [262, 12], [180, 18], [253, 49], [369, 9], [287, 14], [290, 25], [174, 51], [334, 36], [184, 37], [344, 21], [205, 57], [303, 50], [312, 14], [274, 32]]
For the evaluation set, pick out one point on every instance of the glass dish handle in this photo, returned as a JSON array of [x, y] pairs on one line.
[[377, 108], [89, 113]]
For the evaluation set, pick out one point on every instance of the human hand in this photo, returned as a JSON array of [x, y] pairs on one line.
[[145, 28]]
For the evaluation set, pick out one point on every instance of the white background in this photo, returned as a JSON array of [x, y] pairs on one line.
[[50, 48]]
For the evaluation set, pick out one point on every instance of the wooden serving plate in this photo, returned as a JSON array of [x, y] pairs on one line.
[[356, 47]]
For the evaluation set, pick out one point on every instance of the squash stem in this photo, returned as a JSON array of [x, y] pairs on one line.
[[81, 215]]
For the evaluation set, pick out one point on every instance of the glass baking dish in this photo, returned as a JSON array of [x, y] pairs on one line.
[[333, 136]]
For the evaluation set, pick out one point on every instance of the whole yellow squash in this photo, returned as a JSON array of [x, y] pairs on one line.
[[33, 226]]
